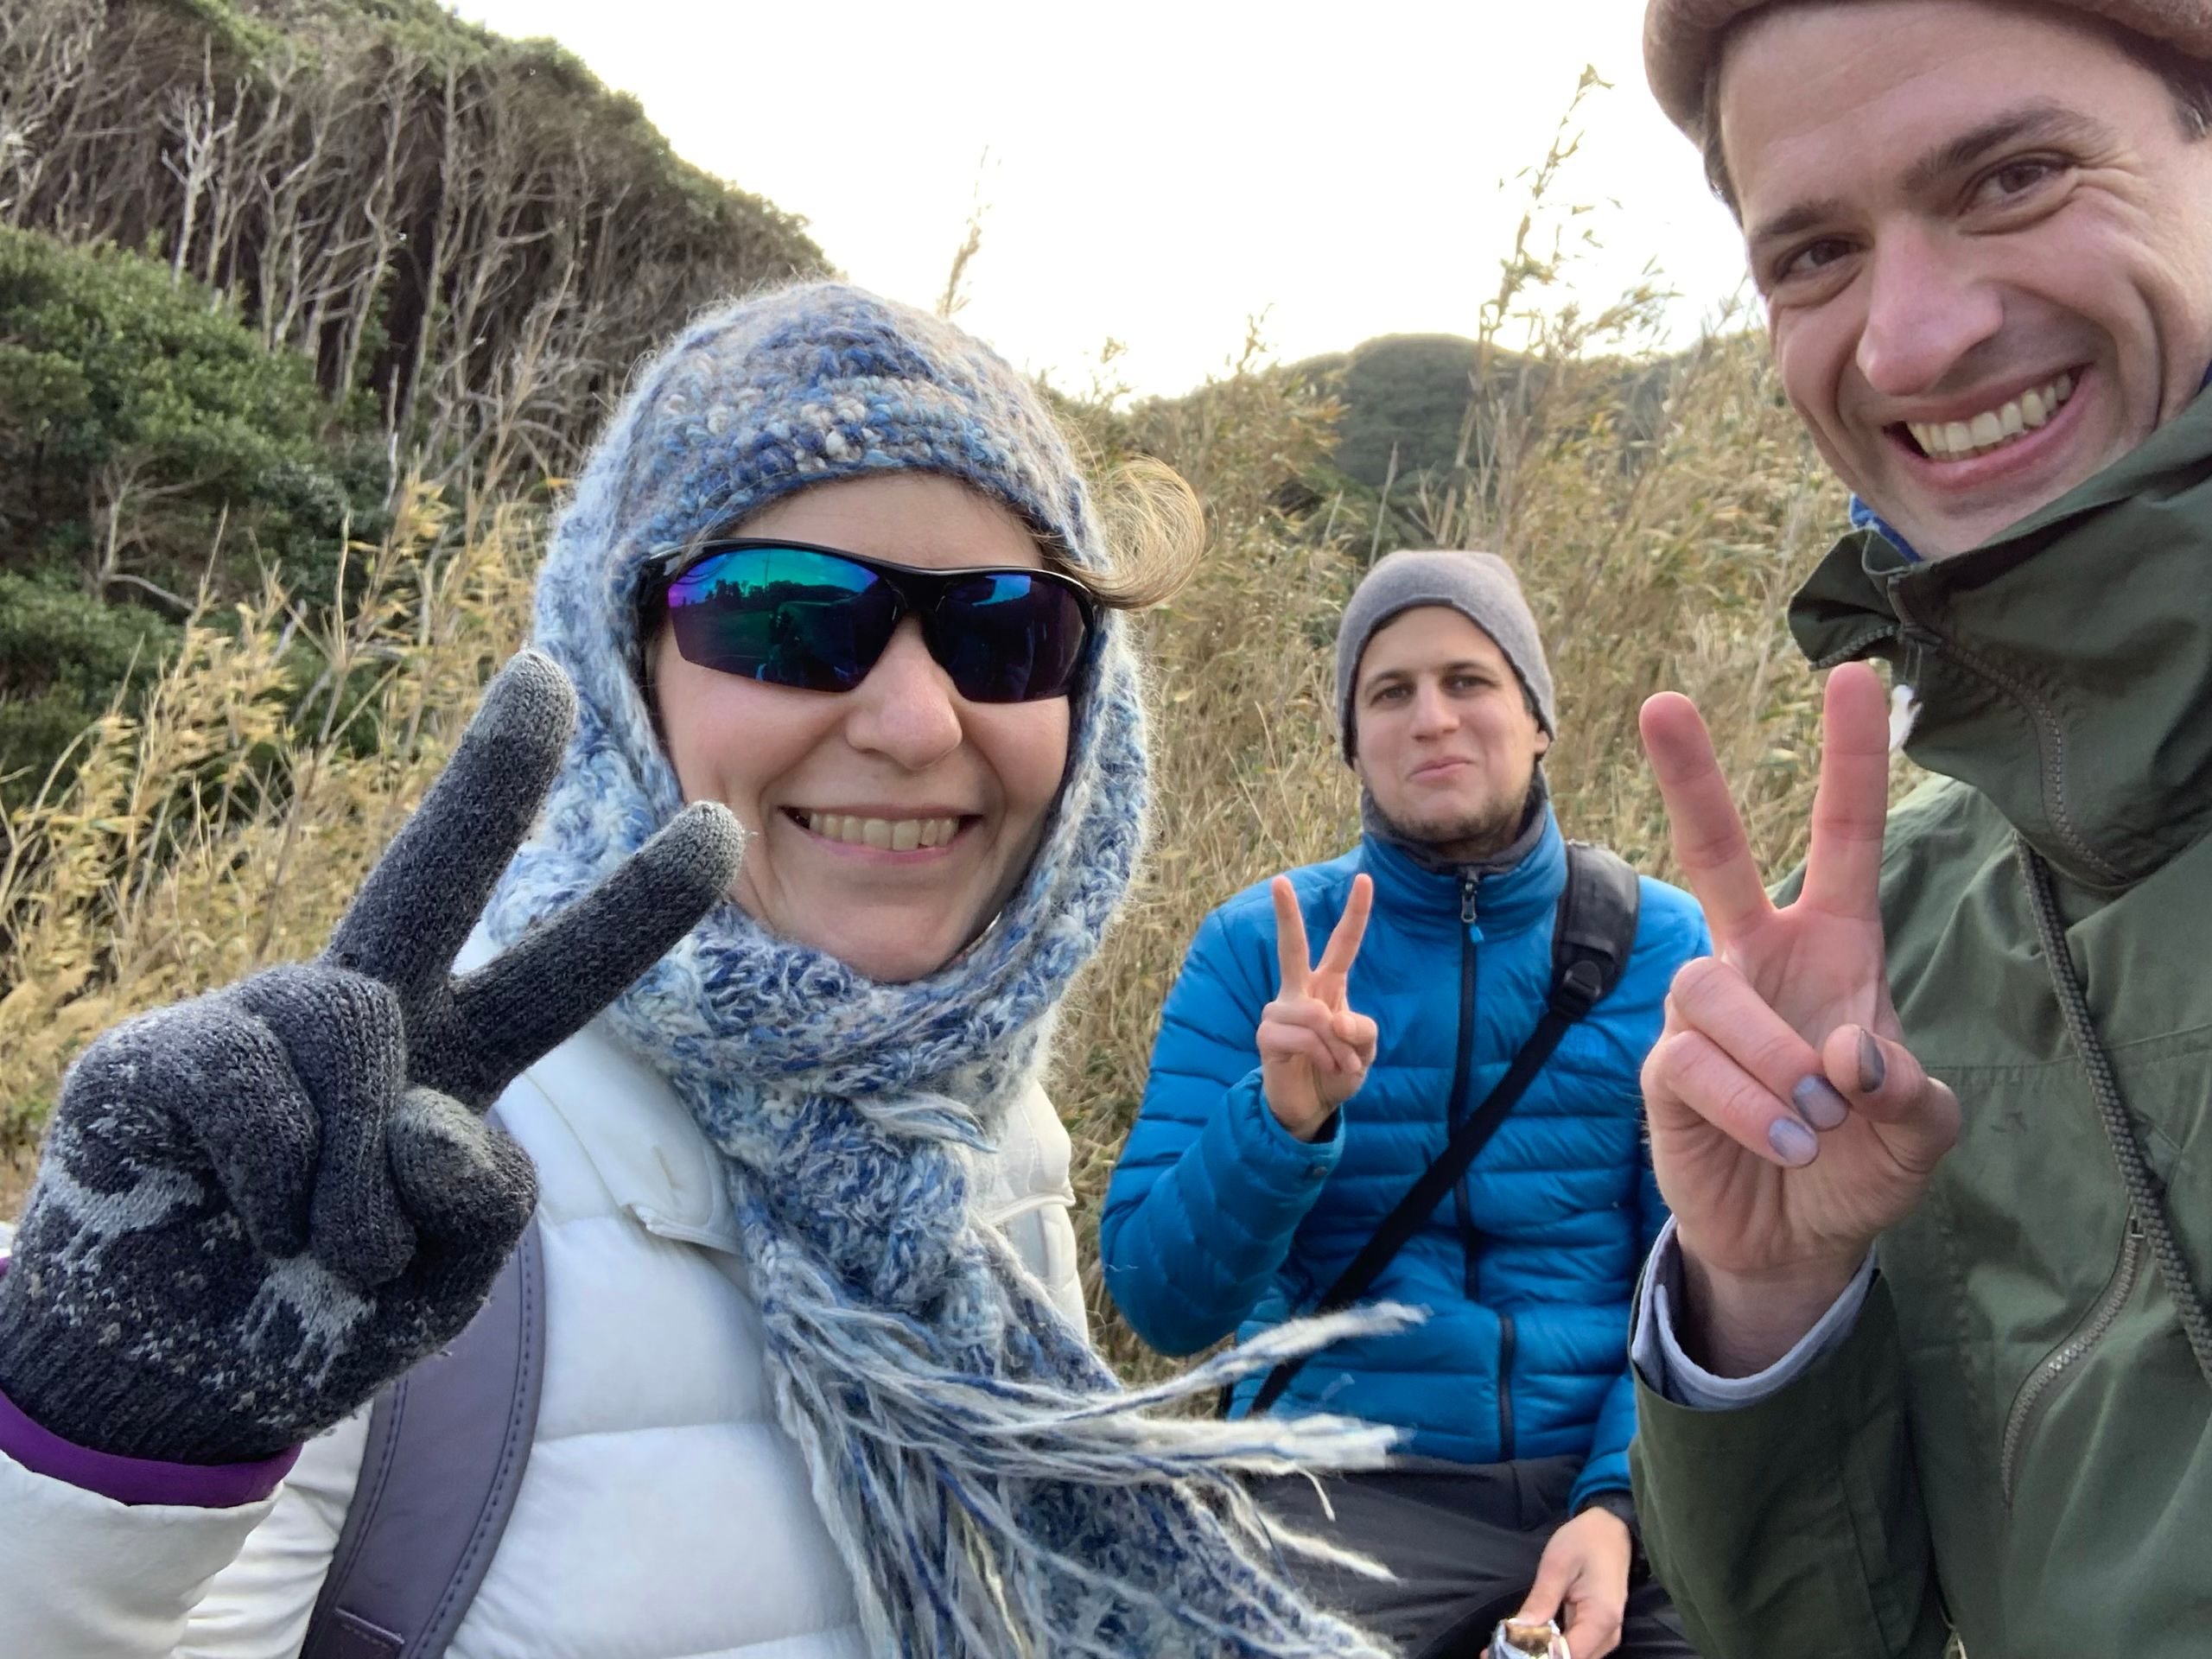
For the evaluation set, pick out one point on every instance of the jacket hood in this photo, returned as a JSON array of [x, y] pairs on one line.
[[2063, 667]]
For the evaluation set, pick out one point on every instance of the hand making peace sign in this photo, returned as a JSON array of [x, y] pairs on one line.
[[257, 1206], [1790, 1125], [1314, 1050]]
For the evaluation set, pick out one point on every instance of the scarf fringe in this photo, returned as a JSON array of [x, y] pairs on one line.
[[1055, 1512]]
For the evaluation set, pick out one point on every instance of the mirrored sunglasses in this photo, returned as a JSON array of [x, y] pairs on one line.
[[818, 618]]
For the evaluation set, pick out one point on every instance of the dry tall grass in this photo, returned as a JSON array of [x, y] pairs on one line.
[[226, 824]]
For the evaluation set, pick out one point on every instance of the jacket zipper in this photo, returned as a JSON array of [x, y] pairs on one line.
[[1921, 642], [1462, 1066], [2036, 1392], [1470, 888]]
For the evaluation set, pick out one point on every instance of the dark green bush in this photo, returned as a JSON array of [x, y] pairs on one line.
[[62, 654], [149, 445]]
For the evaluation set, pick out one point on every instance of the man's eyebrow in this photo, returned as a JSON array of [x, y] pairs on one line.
[[1459, 667], [2041, 119], [1793, 221]]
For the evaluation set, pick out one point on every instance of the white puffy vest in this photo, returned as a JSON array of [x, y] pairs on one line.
[[664, 1513]]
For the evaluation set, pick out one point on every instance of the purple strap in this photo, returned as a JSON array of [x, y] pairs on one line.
[[136, 1480]]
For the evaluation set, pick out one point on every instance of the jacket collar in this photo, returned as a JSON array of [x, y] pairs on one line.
[[1512, 891], [2063, 667]]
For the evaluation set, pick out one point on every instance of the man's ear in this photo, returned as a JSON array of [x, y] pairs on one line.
[[1543, 742]]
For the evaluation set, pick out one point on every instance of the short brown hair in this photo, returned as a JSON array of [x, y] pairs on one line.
[[2188, 81]]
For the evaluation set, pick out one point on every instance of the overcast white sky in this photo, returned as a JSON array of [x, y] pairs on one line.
[[1157, 172]]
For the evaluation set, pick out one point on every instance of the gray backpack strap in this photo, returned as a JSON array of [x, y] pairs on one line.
[[446, 1445]]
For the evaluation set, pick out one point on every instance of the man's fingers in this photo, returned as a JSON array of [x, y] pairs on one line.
[[1843, 865], [555, 979], [1291, 950], [1592, 1631], [1357, 1032], [1713, 997], [1555, 1575], [1702, 825], [1688, 1068], [1294, 1043], [418, 907], [1304, 1018], [1916, 1116], [1350, 929]]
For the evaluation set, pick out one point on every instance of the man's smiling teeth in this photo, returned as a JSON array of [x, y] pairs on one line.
[[1993, 428], [888, 834]]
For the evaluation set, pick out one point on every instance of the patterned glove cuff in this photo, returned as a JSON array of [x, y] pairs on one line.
[[135, 1480]]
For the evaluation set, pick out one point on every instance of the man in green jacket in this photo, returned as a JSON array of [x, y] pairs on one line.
[[1917, 1356]]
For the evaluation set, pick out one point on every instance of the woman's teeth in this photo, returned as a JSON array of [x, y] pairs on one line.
[[1993, 428], [888, 834]]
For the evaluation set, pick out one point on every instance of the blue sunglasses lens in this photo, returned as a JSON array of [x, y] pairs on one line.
[[817, 620], [786, 615], [1005, 636]]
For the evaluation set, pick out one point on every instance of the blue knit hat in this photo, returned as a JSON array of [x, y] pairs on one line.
[[825, 381]]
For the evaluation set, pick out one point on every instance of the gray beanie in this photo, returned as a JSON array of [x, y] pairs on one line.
[[1479, 586]]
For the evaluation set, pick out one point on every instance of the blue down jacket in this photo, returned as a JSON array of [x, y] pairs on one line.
[[1219, 1220]]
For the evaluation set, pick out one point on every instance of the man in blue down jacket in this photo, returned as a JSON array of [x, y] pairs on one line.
[[1256, 1172]]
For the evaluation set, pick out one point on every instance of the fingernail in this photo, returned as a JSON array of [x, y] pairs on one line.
[[1872, 1068], [1818, 1103], [1792, 1142]]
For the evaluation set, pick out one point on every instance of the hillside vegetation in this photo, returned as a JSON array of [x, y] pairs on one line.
[[259, 262]]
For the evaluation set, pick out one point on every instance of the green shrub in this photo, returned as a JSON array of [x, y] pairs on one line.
[[62, 654], [149, 444], [138, 419]]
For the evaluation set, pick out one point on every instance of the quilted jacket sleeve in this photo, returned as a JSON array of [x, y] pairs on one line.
[[81, 1574], [1211, 1188]]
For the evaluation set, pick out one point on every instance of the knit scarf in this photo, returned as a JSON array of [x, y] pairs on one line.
[[991, 1486]]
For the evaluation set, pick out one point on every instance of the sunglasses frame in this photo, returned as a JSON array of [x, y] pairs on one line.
[[668, 566]]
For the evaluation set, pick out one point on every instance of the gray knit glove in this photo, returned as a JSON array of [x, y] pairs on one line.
[[256, 1207]]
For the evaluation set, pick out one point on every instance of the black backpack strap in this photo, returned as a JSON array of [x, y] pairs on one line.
[[446, 1449], [1593, 936]]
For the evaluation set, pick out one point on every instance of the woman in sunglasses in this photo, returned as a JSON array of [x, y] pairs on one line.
[[813, 1378]]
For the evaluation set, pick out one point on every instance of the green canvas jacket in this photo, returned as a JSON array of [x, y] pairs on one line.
[[2015, 1439]]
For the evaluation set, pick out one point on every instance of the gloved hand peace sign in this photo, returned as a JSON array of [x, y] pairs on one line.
[[256, 1207], [1314, 1048]]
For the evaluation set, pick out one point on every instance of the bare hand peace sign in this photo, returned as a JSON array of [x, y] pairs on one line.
[[1314, 1050], [1790, 1125], [259, 1206]]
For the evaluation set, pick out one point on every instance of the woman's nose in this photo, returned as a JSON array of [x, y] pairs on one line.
[[907, 710]]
